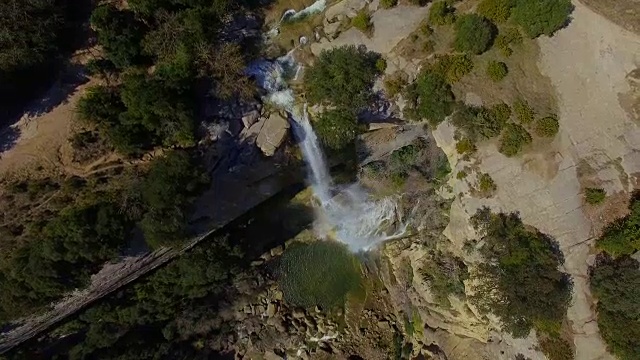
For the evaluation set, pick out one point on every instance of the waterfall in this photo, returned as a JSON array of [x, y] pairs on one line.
[[349, 213]]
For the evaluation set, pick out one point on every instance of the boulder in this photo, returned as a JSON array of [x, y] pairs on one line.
[[272, 134]]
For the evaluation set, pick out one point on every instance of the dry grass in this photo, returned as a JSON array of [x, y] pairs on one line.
[[523, 81], [625, 13]]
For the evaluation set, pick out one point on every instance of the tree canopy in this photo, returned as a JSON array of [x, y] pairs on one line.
[[616, 286], [622, 237], [538, 17], [431, 97], [342, 77], [337, 128], [519, 280], [474, 34]]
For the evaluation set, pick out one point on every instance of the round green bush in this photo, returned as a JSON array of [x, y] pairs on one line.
[[539, 17], [473, 34], [321, 273], [513, 140], [441, 13], [547, 126], [497, 70], [386, 4]]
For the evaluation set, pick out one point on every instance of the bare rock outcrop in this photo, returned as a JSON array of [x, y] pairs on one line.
[[272, 134]]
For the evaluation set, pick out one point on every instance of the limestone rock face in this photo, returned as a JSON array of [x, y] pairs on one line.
[[250, 118], [272, 134]]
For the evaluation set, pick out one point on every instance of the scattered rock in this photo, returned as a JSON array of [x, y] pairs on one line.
[[250, 118], [298, 313], [271, 309]]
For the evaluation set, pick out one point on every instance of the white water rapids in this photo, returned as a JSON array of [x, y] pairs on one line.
[[348, 213]]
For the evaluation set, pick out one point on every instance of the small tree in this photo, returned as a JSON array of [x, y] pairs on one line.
[[547, 126], [431, 97], [478, 123], [497, 11], [119, 33], [622, 237], [337, 128], [342, 77], [539, 17], [513, 139], [502, 112], [474, 34], [486, 184], [497, 70], [465, 146], [441, 13]]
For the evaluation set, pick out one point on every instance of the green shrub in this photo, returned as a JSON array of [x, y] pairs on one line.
[[337, 128], [406, 158], [497, 11], [362, 21], [622, 237], [431, 97], [318, 274], [442, 169], [519, 280], [524, 112], [445, 273], [474, 34], [453, 67], [547, 126], [505, 39], [386, 4], [556, 348], [441, 13], [486, 183], [465, 146], [539, 17], [594, 196], [497, 70], [513, 139], [502, 112], [461, 175], [394, 84], [478, 123], [342, 77], [616, 286]]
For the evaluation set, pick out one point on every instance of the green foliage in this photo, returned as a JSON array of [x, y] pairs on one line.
[[513, 139], [119, 33], [394, 84], [441, 13], [362, 21], [321, 273], [524, 112], [622, 237], [342, 77], [387, 4], [169, 189], [547, 126], [474, 34], [445, 274], [537, 17], [405, 158], [486, 184], [556, 348], [594, 196], [337, 128], [461, 175], [453, 67], [431, 97], [381, 65], [478, 123], [497, 70], [519, 280], [497, 11], [465, 146], [502, 112], [506, 39], [616, 286]]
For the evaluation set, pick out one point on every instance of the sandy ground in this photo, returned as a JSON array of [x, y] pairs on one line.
[[587, 63]]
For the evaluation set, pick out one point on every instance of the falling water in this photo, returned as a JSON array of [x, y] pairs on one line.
[[348, 213]]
